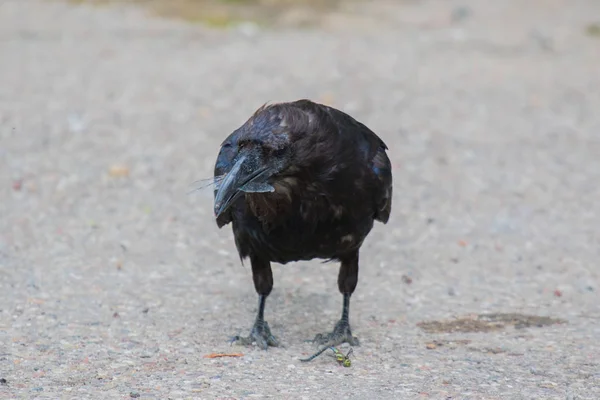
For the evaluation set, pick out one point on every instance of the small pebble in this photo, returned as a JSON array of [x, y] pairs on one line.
[[118, 171], [75, 122], [248, 29], [134, 395], [460, 13]]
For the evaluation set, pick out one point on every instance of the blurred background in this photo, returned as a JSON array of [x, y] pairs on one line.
[[115, 281]]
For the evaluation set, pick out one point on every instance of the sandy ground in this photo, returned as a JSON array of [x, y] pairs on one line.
[[115, 282]]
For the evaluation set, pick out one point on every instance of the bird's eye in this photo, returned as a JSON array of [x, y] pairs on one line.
[[279, 152]]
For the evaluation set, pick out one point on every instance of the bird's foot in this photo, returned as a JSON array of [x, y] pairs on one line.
[[341, 334], [260, 334]]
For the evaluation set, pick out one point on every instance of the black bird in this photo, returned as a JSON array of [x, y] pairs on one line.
[[301, 181]]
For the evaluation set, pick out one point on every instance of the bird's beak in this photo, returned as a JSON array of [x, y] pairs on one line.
[[244, 176]]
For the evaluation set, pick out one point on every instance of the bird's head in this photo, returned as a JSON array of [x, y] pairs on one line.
[[251, 158]]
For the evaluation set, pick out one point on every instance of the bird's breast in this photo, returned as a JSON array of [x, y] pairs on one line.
[[300, 233]]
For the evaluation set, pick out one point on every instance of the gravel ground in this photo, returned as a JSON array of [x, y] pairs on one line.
[[115, 282]]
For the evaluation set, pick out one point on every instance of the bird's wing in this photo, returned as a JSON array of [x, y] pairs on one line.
[[374, 151], [382, 168], [372, 148]]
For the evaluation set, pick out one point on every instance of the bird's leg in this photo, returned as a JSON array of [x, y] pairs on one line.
[[347, 280], [263, 283]]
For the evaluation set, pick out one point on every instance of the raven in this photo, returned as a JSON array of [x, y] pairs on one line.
[[301, 181]]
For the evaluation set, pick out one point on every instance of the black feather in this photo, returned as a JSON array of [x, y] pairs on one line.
[[331, 177]]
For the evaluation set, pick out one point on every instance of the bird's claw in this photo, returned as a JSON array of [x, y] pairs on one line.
[[260, 334], [341, 334]]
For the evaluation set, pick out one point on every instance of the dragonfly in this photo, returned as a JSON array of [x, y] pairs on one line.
[[341, 358]]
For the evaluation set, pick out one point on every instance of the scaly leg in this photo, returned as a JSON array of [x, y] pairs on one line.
[[263, 283], [347, 280]]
